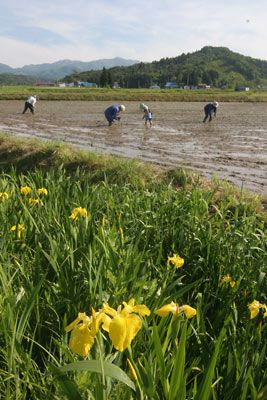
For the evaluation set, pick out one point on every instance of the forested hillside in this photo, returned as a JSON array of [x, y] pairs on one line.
[[217, 66], [11, 79]]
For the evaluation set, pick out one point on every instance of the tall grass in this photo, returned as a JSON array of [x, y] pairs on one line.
[[59, 267]]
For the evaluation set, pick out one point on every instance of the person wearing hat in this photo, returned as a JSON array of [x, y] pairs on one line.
[[112, 113], [30, 103], [209, 110], [143, 107]]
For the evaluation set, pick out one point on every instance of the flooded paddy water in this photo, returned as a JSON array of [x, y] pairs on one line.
[[233, 146]]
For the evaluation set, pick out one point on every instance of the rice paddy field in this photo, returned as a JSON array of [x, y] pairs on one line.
[[232, 147], [117, 282]]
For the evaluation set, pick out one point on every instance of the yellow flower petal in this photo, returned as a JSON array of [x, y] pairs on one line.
[[82, 317], [165, 310], [96, 320], [35, 201], [190, 312], [123, 329], [17, 228], [25, 190], [127, 308], [78, 211], [117, 332], [42, 191], [81, 340], [106, 322], [109, 310], [254, 308], [176, 260], [3, 196], [132, 370], [131, 302], [141, 309], [227, 279], [130, 307]]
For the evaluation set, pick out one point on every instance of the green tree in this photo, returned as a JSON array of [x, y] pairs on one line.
[[217, 66], [104, 78]]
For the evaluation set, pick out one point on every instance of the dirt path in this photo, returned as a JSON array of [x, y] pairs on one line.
[[233, 146]]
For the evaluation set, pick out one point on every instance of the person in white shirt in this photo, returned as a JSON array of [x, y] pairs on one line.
[[143, 107], [30, 103]]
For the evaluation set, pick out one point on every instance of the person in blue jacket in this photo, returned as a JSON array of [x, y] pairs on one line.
[[209, 110], [112, 113], [147, 116]]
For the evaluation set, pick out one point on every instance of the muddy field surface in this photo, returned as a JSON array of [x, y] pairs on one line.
[[233, 146]]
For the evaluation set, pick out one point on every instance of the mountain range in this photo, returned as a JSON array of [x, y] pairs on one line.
[[59, 69], [215, 66]]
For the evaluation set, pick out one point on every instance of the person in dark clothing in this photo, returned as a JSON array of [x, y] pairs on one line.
[[112, 113], [209, 110]]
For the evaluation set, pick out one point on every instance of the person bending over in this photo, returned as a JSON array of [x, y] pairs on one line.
[[112, 113], [147, 116], [210, 109], [30, 103]]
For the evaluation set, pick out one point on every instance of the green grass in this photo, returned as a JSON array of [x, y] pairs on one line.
[[98, 94], [136, 219]]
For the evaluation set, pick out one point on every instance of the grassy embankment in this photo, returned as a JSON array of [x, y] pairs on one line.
[[53, 266], [55, 93]]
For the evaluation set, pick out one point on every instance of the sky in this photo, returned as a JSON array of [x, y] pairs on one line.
[[45, 31]]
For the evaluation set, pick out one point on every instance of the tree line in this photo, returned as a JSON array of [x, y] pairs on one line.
[[215, 66]]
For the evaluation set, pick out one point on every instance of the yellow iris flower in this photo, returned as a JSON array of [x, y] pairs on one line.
[[17, 228], [227, 279], [33, 202], [78, 211], [173, 308], [25, 190], [42, 191], [255, 307], [122, 324], [176, 260], [83, 332], [3, 196]]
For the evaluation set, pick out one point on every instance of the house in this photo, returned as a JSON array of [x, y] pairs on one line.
[[116, 85], [203, 86], [45, 83], [87, 84], [171, 85], [242, 89]]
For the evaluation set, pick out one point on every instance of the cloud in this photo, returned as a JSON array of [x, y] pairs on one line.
[[47, 31]]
